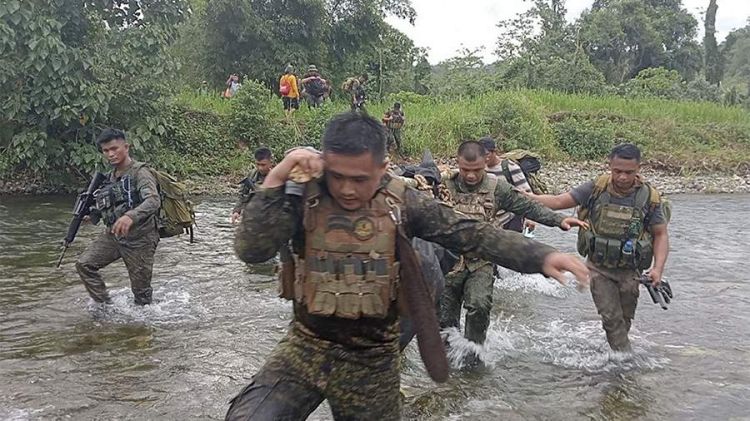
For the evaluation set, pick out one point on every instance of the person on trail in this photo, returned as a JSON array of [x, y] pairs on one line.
[[314, 86], [628, 219], [350, 233], [480, 196], [394, 120], [289, 91], [233, 85], [128, 203], [512, 172], [355, 88], [249, 184]]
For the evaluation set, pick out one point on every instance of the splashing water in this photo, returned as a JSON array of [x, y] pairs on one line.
[[538, 284]]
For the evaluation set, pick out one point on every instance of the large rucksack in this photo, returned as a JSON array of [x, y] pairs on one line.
[[176, 214], [316, 87], [530, 164]]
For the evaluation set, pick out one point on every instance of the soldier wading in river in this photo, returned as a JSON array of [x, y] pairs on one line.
[[127, 203], [628, 235], [343, 342], [481, 196]]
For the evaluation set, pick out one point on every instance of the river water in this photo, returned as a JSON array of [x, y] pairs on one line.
[[215, 319]]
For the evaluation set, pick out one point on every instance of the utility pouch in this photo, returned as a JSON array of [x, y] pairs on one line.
[[644, 254]]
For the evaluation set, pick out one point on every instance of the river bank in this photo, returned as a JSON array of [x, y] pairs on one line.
[[560, 176]]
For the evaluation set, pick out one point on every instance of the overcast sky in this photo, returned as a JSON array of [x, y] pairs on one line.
[[444, 26]]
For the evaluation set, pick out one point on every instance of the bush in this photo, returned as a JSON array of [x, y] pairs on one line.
[[584, 138], [654, 82]]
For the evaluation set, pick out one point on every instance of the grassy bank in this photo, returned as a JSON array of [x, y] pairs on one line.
[[684, 137]]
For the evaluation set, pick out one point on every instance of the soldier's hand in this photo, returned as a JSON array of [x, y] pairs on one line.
[[530, 224], [570, 222], [307, 163], [556, 263], [86, 219], [121, 228], [235, 218], [302, 160], [655, 275]]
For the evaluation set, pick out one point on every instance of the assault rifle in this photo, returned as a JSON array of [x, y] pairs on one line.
[[80, 210], [662, 294]]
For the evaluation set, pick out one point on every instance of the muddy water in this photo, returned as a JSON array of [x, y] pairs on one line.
[[215, 319]]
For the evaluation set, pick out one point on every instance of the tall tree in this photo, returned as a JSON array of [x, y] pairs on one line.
[[542, 50], [712, 59], [623, 37]]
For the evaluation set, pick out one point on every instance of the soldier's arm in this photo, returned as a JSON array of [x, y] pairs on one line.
[[149, 194], [559, 201], [661, 245], [511, 200], [268, 221], [245, 195], [434, 221]]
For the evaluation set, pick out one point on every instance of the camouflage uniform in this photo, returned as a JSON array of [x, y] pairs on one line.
[[471, 282], [354, 363], [614, 286], [138, 248], [248, 185], [394, 128]]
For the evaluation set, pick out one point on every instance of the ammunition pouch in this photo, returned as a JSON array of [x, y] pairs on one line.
[[607, 252]]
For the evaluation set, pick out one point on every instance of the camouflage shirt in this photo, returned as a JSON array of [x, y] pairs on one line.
[[248, 185], [144, 214], [272, 217]]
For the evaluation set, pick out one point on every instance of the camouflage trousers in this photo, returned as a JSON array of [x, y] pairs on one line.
[[394, 139], [474, 290], [615, 293], [136, 253], [302, 371]]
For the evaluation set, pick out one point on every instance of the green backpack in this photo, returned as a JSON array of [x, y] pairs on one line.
[[530, 164], [176, 214]]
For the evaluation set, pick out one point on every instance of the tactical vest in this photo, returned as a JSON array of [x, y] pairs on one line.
[[396, 121], [117, 196], [612, 225], [349, 268], [480, 204]]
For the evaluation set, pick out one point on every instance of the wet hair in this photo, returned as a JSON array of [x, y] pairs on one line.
[[626, 151], [471, 150], [397, 105], [263, 153], [109, 135], [353, 134]]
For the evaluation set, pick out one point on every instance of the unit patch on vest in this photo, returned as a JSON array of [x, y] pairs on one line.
[[364, 228]]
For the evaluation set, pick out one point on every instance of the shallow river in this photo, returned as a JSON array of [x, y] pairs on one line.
[[215, 319]]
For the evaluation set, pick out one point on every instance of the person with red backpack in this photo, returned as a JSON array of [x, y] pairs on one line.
[[289, 90]]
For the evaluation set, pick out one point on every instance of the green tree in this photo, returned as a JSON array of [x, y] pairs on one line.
[[68, 67], [259, 37], [735, 51], [541, 50], [623, 37]]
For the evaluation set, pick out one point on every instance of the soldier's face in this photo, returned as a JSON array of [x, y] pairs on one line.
[[115, 151], [624, 172], [352, 180], [264, 166], [471, 172]]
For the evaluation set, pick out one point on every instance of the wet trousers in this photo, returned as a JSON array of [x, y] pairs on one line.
[[302, 371], [136, 253], [474, 290], [615, 293]]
